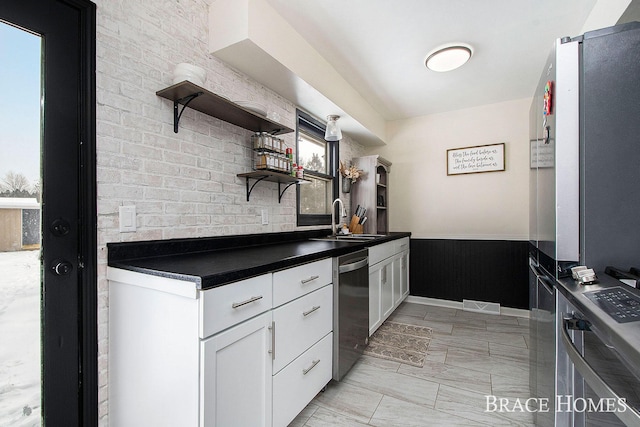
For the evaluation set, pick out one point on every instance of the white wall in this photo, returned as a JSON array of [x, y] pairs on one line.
[[430, 204]]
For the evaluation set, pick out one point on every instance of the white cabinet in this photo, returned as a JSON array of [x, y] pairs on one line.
[[226, 356], [375, 283], [302, 364], [404, 274], [300, 324], [236, 380], [388, 279], [297, 384], [381, 293], [231, 304], [297, 281], [402, 250], [386, 288], [153, 353], [396, 268]]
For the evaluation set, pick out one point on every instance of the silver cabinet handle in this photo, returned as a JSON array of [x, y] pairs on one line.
[[313, 365], [629, 415], [310, 279], [314, 308], [272, 328], [249, 301]]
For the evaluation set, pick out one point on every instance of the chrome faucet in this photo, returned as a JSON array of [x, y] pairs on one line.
[[343, 213]]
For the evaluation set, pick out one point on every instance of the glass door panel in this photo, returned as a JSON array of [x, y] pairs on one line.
[[20, 227]]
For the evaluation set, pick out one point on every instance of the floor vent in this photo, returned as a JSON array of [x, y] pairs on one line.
[[481, 306]]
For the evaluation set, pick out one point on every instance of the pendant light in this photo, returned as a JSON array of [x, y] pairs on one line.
[[333, 132]]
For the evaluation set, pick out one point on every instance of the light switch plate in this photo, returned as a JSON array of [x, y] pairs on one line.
[[127, 219]]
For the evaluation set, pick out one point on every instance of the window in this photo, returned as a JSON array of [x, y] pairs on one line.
[[319, 158]]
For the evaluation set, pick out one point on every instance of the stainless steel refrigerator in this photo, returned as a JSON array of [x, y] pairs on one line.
[[584, 177]]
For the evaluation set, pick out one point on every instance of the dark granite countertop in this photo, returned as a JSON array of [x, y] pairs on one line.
[[215, 261]]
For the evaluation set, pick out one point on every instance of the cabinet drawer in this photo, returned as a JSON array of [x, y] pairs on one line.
[[300, 324], [380, 252], [231, 304], [401, 245], [294, 282], [297, 384]]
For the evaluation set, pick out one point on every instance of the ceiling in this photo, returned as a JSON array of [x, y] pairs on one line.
[[379, 47]]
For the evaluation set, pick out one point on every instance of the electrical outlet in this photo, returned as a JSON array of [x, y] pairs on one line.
[[265, 217]]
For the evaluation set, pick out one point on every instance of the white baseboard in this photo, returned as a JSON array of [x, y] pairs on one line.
[[505, 311], [434, 301], [516, 312]]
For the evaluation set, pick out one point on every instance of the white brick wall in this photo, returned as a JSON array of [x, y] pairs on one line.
[[184, 184]]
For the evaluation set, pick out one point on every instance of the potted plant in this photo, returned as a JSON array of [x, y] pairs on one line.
[[349, 176]]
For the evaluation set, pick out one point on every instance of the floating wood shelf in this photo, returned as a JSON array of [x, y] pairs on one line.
[[188, 94]]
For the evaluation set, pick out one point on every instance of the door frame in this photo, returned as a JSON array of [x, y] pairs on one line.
[[70, 373], [88, 249]]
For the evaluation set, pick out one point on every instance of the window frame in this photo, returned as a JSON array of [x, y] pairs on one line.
[[313, 127]]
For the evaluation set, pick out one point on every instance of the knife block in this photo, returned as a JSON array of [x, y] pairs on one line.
[[354, 227]]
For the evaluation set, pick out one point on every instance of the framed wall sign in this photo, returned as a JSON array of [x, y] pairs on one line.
[[481, 158]]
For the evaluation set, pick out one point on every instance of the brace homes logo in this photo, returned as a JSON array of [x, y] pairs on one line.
[[567, 403]]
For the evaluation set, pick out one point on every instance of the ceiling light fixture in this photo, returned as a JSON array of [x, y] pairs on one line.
[[449, 57], [333, 132]]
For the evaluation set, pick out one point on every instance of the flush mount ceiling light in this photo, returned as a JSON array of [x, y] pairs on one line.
[[447, 58], [333, 132]]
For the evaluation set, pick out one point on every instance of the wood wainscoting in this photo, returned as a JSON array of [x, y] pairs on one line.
[[481, 270]]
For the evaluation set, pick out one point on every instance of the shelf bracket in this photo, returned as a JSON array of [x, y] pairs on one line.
[[281, 192], [249, 190], [177, 114]]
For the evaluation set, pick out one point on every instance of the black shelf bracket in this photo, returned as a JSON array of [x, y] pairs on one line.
[[177, 114], [249, 190], [281, 192], [259, 178]]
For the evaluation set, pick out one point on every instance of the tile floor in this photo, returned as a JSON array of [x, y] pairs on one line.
[[471, 355]]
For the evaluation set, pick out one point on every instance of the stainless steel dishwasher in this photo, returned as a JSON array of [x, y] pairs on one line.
[[351, 310]]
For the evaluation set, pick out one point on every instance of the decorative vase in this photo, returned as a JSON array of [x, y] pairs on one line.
[[346, 185]]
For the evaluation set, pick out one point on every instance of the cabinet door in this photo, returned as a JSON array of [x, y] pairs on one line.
[[404, 274], [397, 279], [386, 285], [375, 311], [236, 375], [400, 277]]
